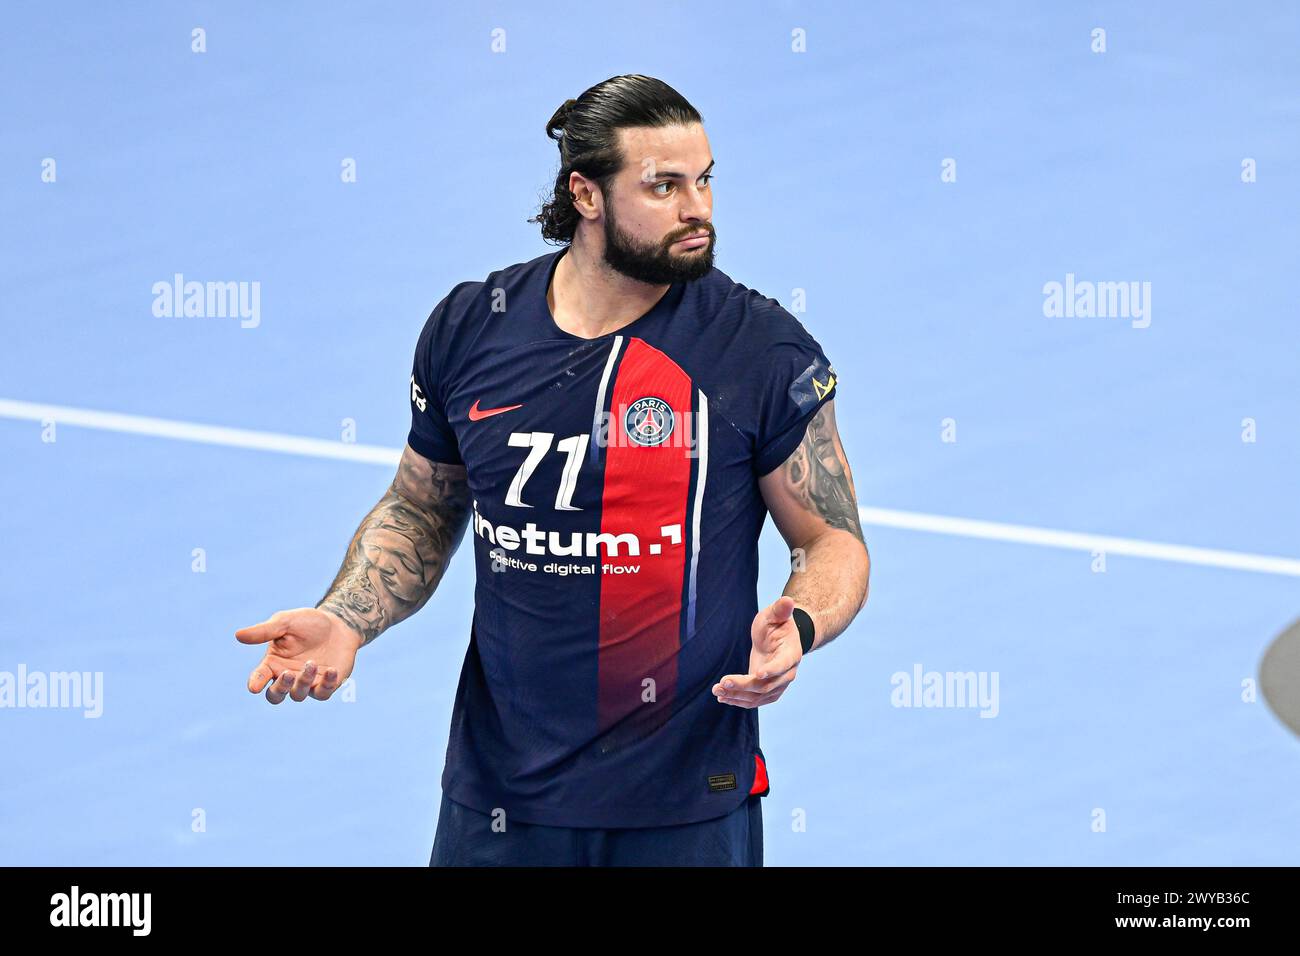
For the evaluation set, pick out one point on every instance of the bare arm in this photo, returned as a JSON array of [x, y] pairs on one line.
[[402, 547], [814, 506]]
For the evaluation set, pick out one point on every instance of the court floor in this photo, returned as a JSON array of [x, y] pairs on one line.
[[1083, 528]]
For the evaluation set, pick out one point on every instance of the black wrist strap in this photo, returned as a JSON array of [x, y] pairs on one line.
[[807, 633]]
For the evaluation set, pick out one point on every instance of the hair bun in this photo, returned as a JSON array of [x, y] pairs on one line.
[[555, 128]]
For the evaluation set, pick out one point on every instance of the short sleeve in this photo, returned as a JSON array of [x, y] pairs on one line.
[[431, 433], [799, 379]]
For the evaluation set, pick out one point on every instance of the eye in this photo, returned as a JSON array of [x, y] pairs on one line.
[[704, 179]]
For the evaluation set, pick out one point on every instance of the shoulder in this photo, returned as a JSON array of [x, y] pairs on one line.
[[470, 302], [761, 319], [453, 306], [796, 375], [466, 298]]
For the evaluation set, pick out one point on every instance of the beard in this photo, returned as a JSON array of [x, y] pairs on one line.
[[656, 263]]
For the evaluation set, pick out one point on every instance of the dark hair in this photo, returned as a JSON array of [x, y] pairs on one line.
[[586, 130]]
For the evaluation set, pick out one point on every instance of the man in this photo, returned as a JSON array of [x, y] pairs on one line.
[[614, 421]]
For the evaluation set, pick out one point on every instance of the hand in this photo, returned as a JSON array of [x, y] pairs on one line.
[[311, 652], [773, 662]]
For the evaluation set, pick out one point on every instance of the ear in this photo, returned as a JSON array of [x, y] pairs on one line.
[[587, 198]]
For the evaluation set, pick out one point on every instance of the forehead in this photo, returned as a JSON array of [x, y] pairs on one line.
[[681, 148]]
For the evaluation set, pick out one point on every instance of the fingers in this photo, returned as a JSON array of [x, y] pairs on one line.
[[772, 697], [261, 676], [326, 685], [746, 691], [277, 692], [751, 700], [733, 687], [741, 682], [302, 683], [312, 681], [767, 674]]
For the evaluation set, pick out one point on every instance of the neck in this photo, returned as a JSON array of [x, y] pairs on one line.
[[589, 299]]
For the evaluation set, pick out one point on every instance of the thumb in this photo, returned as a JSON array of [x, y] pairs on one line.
[[780, 610], [277, 625]]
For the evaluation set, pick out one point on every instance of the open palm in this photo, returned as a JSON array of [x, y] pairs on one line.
[[309, 652]]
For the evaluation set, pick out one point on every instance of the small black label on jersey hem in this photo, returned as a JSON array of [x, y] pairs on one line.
[[722, 781]]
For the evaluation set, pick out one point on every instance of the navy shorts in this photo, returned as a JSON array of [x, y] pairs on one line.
[[465, 838]]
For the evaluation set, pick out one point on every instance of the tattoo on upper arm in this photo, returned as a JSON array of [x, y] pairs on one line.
[[400, 552], [818, 474]]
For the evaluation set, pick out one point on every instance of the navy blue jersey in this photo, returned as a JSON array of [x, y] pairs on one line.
[[615, 523]]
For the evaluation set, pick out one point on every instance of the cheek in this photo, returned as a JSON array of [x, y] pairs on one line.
[[645, 221]]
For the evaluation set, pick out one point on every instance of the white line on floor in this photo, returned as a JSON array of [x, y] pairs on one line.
[[207, 434], [880, 517], [1075, 541]]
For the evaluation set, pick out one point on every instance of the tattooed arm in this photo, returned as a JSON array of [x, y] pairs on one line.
[[814, 506], [400, 551]]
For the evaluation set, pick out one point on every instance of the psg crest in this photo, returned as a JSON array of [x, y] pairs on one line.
[[649, 421]]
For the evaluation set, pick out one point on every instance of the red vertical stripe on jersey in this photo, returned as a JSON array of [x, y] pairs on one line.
[[646, 489]]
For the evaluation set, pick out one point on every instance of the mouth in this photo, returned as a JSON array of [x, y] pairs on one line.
[[695, 241]]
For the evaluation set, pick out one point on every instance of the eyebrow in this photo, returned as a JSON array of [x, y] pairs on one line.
[[670, 175]]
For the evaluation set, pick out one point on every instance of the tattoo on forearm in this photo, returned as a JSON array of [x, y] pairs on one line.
[[820, 476], [402, 548]]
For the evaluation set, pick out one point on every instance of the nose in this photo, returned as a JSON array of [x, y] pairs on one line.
[[697, 209]]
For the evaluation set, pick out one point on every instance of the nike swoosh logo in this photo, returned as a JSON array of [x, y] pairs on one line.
[[478, 414]]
